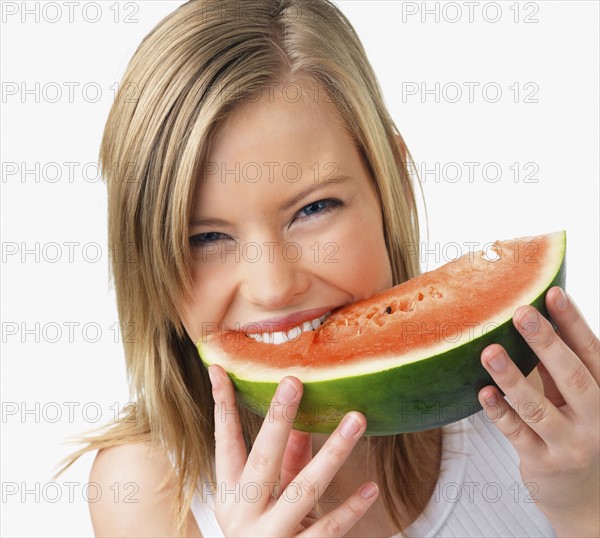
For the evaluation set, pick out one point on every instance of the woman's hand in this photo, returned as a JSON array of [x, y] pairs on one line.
[[557, 435], [246, 500]]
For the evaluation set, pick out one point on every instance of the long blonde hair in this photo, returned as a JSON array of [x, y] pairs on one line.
[[183, 81]]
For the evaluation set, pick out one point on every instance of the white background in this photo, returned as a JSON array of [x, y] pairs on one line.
[[558, 55]]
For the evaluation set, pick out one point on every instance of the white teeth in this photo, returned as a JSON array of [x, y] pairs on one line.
[[280, 337], [293, 333], [267, 338]]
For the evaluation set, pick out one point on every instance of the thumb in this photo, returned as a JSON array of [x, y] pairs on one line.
[[298, 452]]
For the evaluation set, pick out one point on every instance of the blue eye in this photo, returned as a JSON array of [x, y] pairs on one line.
[[206, 238], [320, 206]]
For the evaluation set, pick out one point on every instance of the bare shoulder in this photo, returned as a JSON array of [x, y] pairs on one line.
[[131, 501]]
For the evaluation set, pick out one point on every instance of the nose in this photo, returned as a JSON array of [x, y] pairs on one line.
[[274, 276]]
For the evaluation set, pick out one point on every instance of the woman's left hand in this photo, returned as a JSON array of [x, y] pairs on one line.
[[556, 434]]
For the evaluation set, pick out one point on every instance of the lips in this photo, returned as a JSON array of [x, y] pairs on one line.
[[279, 337], [285, 328], [285, 323]]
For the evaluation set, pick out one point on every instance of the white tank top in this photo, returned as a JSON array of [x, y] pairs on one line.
[[479, 492]]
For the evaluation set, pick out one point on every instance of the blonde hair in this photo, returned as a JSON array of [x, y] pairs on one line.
[[182, 83]]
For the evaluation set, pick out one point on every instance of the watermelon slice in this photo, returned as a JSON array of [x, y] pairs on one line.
[[409, 357]]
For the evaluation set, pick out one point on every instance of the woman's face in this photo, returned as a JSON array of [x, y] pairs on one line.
[[286, 224]]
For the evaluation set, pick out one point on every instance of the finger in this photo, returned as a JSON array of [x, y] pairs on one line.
[[308, 486], [298, 453], [339, 521], [572, 378], [550, 389], [230, 449], [265, 459], [534, 408], [511, 425], [574, 330], [310, 519]]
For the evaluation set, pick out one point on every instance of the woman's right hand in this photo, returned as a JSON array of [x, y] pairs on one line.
[[244, 500]]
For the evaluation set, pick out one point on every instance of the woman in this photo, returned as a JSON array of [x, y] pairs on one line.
[[228, 95]]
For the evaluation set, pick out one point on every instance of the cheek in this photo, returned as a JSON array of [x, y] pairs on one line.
[[369, 258], [362, 264], [205, 306]]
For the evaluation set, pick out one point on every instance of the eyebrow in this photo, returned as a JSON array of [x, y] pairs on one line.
[[285, 206], [209, 222], [310, 189]]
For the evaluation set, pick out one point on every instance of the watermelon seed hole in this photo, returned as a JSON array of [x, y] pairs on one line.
[[435, 293], [388, 310], [372, 313], [407, 306]]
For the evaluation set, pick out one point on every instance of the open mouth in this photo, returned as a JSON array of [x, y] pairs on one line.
[[280, 337]]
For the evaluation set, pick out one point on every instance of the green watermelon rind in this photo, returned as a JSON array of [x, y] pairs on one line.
[[455, 378]]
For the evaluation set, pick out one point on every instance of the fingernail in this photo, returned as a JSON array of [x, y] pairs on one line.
[[528, 323], [350, 427], [368, 491], [286, 391], [561, 299], [529, 318], [490, 399], [497, 361], [213, 378]]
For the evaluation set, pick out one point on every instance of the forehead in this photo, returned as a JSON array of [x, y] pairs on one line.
[[290, 120], [287, 138]]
